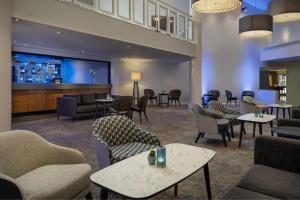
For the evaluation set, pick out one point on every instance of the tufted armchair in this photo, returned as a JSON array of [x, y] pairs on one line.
[[32, 168], [228, 114], [117, 138]]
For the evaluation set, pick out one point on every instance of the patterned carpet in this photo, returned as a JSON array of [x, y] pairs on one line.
[[172, 125]]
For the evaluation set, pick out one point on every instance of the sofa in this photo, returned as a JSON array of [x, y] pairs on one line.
[[275, 174], [79, 106], [32, 168]]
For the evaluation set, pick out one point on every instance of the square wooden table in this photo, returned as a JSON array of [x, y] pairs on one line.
[[255, 120], [135, 178]]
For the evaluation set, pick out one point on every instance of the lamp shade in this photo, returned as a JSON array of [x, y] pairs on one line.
[[285, 10], [215, 6], [135, 76], [256, 26]]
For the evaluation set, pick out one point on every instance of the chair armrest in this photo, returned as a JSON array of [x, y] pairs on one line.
[[215, 114], [296, 113], [289, 122], [66, 106], [146, 137], [10, 188], [278, 153], [103, 153], [63, 155]]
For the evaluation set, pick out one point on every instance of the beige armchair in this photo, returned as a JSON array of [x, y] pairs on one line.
[[32, 168], [250, 105]]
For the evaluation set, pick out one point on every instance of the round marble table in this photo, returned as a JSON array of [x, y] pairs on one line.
[[283, 107]]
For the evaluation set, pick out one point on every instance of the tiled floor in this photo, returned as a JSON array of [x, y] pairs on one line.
[[171, 125]]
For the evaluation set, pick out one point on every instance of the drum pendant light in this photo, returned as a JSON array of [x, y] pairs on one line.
[[285, 10], [215, 6]]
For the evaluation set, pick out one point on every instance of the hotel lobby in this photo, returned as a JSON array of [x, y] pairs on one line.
[[150, 99]]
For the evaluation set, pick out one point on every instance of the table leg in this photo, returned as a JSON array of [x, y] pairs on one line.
[[260, 128], [207, 181], [277, 112], [254, 127], [271, 110], [241, 133], [289, 111], [271, 126], [283, 110], [104, 194], [176, 190]]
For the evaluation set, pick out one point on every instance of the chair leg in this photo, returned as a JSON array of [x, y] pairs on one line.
[[203, 134], [231, 130], [224, 139], [141, 118], [228, 135], [104, 193], [146, 116], [254, 129], [227, 102], [198, 137], [89, 196], [179, 102]]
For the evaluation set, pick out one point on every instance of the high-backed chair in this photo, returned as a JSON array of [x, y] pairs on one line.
[[121, 105], [151, 96], [248, 93], [250, 105], [228, 114], [117, 138], [209, 122], [175, 96], [230, 97], [32, 168], [215, 93], [140, 107]]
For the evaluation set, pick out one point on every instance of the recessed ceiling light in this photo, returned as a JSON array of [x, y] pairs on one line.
[[58, 32], [128, 46], [16, 19], [15, 41], [82, 51]]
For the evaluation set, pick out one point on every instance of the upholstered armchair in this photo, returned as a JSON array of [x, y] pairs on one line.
[[228, 114], [151, 95], [32, 168], [250, 105], [117, 138], [210, 122], [215, 93], [175, 96]]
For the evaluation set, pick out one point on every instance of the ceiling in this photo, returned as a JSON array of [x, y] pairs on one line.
[[30, 34]]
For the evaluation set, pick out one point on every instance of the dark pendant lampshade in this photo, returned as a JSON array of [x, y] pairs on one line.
[[256, 26], [215, 6], [285, 10]]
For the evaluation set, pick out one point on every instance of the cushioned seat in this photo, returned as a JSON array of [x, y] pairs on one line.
[[240, 193], [55, 181], [272, 182], [86, 109], [124, 151]]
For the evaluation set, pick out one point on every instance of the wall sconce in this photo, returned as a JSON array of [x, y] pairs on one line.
[[161, 157]]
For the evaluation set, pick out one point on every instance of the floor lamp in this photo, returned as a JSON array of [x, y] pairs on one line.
[[136, 76]]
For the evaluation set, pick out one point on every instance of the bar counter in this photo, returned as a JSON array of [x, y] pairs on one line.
[[42, 97]]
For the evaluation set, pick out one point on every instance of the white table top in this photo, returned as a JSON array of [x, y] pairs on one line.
[[251, 118], [281, 106], [104, 100], [135, 178]]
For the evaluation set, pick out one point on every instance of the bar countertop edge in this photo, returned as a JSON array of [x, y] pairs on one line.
[[53, 86]]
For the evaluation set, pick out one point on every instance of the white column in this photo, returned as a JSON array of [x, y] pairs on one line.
[[5, 64], [195, 68]]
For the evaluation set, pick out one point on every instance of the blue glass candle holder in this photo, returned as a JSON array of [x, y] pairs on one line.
[[161, 157]]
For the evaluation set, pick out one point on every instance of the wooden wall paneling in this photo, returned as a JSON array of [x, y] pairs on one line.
[[37, 100], [20, 101], [51, 96]]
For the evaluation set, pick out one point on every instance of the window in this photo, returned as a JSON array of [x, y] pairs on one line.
[[181, 28], [88, 3], [124, 8], [190, 30], [152, 14], [138, 7], [173, 22], [106, 5], [163, 18]]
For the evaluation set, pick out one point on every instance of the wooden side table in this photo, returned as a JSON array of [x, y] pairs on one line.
[[160, 99]]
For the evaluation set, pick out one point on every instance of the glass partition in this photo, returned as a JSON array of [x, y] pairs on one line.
[[152, 14], [124, 8], [181, 28], [163, 20], [190, 28], [106, 5], [138, 8]]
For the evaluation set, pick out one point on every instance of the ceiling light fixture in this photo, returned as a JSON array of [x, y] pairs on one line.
[[215, 6], [82, 51], [16, 19], [58, 32], [256, 27], [285, 11], [128, 46]]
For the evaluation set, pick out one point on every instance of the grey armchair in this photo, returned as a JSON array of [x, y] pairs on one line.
[[228, 114], [32, 168], [250, 105], [210, 122], [118, 138]]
